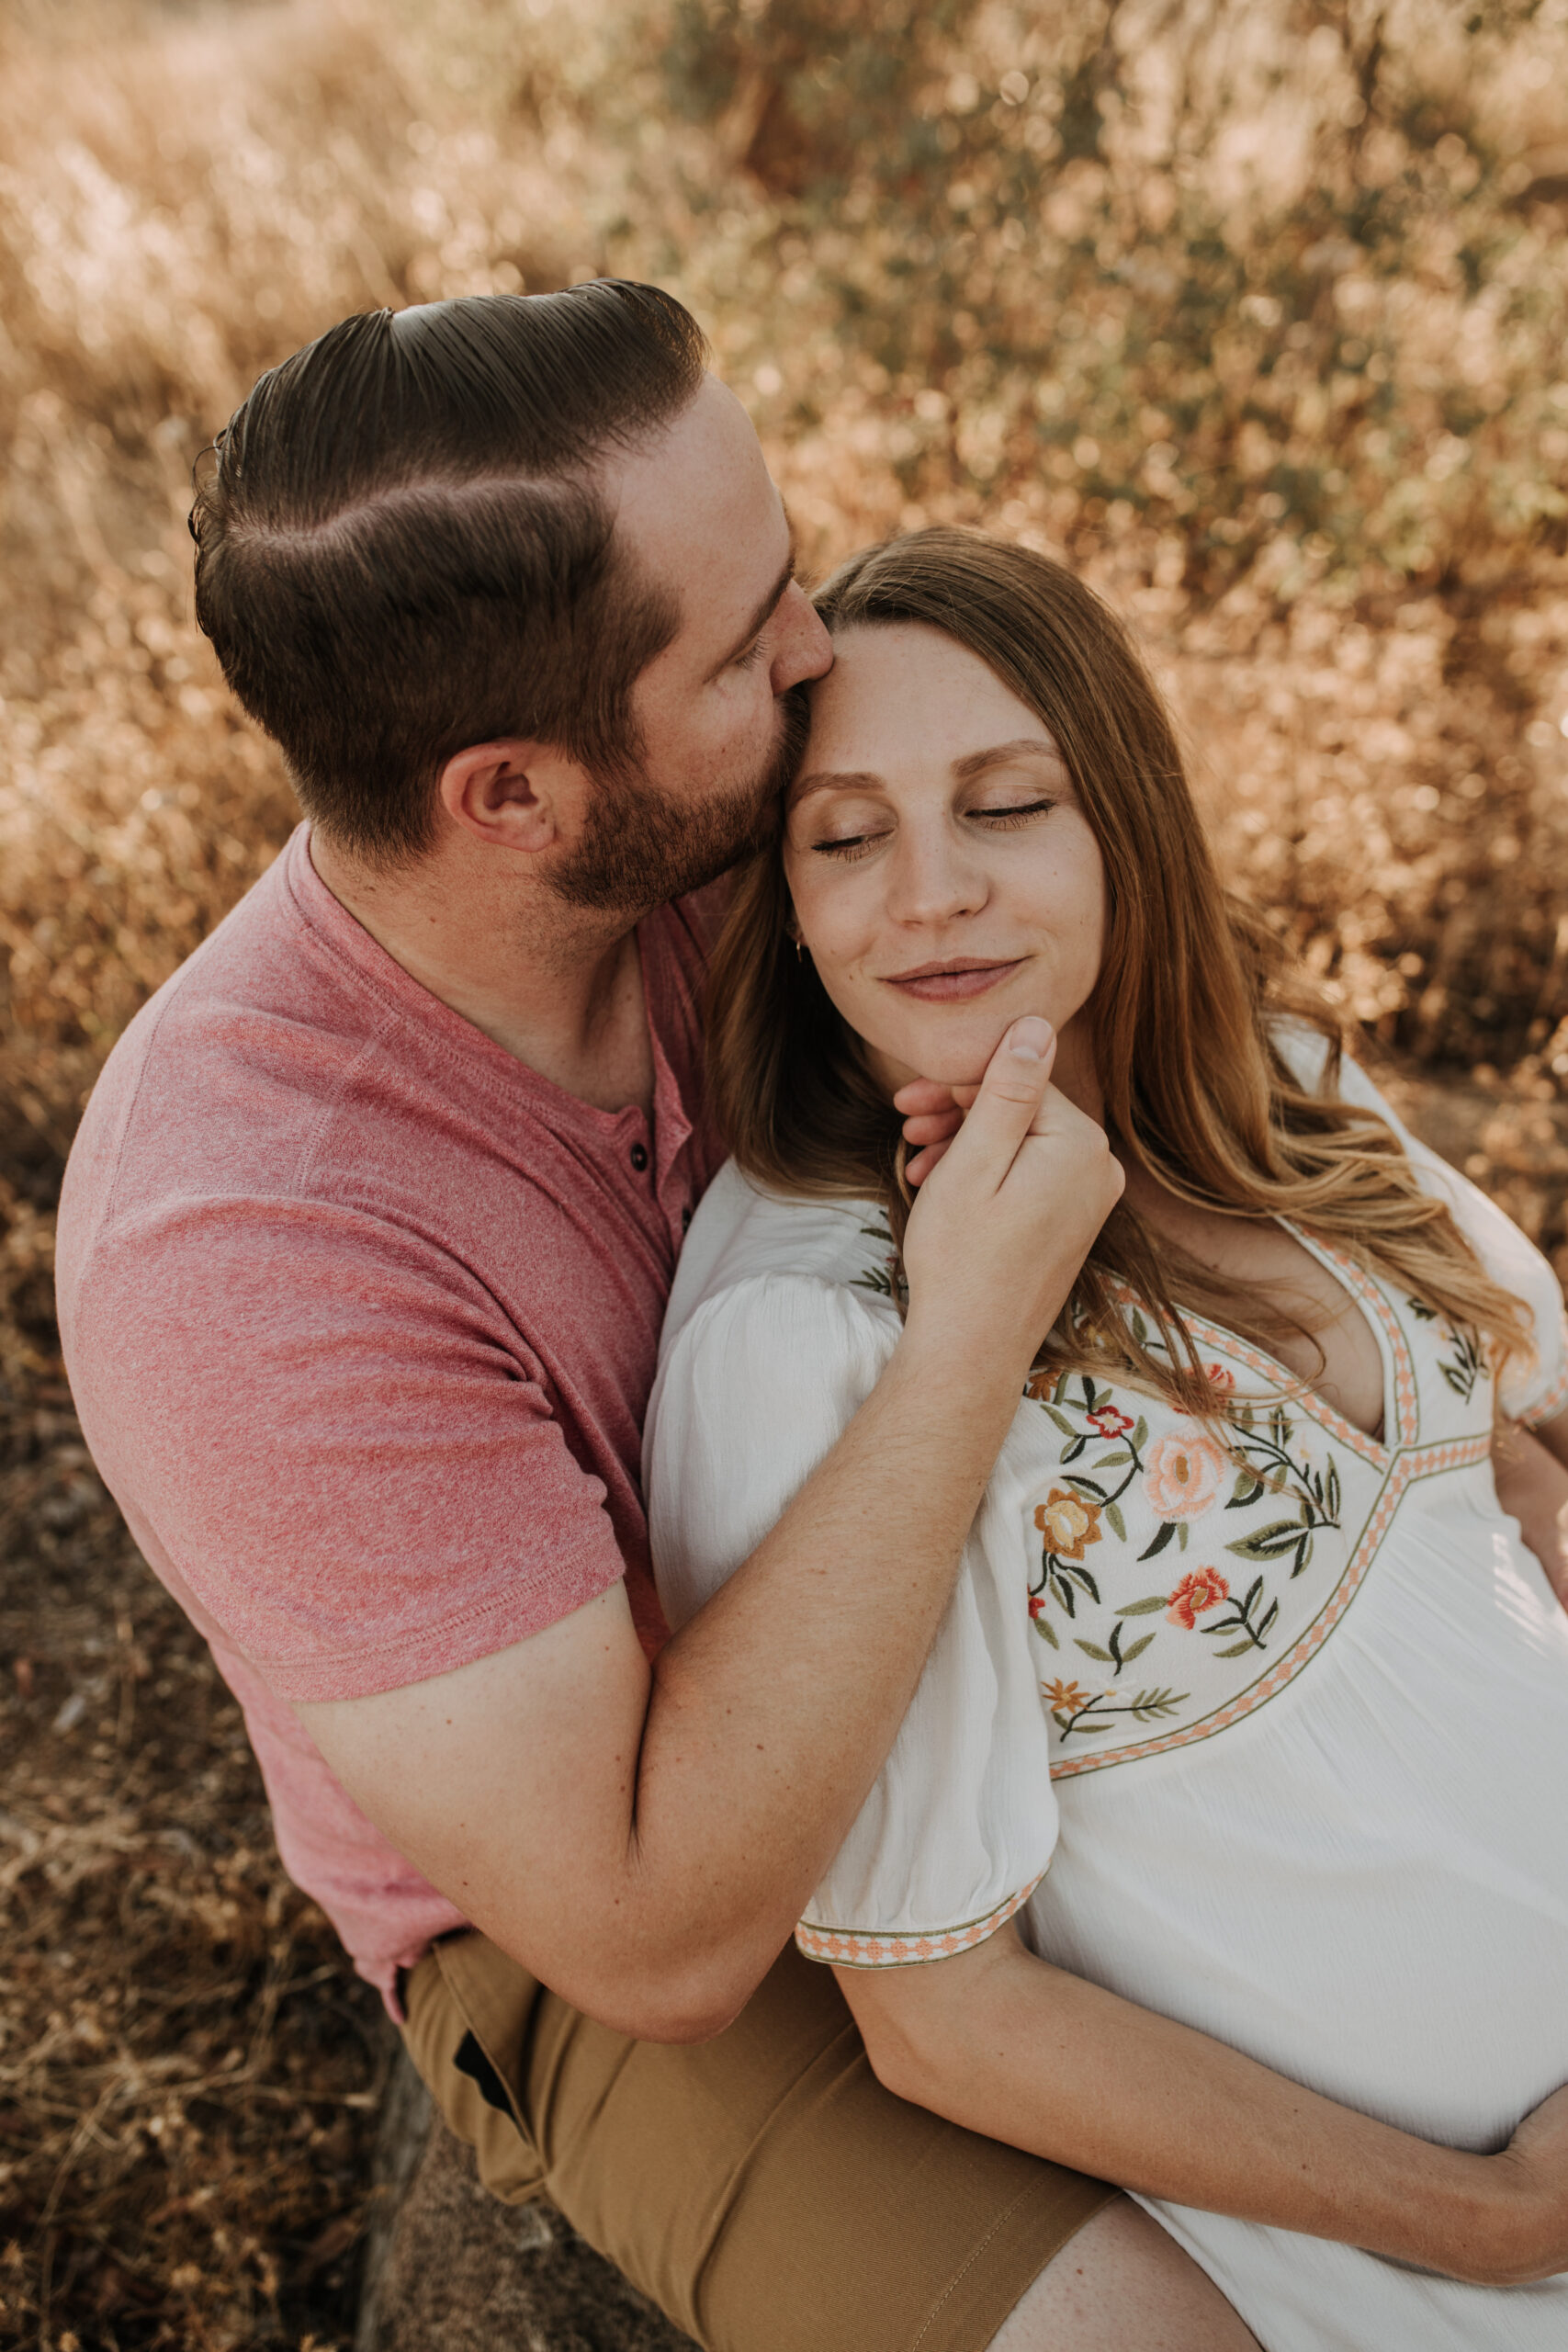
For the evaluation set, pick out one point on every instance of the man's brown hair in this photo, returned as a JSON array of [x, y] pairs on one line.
[[401, 549]]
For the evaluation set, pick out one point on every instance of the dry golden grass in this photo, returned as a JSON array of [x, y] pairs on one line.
[[1258, 309]]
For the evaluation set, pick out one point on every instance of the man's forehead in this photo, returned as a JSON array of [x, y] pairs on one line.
[[699, 507]]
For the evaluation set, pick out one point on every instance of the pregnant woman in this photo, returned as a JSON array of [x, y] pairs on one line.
[[1223, 1852]]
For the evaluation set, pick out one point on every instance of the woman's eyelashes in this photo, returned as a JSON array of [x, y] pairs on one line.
[[1007, 819]]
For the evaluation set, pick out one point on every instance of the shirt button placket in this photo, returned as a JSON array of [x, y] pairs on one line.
[[639, 1156]]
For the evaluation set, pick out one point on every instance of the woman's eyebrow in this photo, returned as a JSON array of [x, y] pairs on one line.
[[835, 780], [974, 764]]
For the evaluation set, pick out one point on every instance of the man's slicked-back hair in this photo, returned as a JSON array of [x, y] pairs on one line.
[[401, 548]]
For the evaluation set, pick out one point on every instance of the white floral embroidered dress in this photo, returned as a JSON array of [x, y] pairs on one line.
[[1261, 1724]]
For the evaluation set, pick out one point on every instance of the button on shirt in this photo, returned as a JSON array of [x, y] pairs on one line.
[[361, 1316]]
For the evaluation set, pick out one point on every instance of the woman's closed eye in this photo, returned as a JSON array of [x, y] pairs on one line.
[[847, 846], [1019, 814]]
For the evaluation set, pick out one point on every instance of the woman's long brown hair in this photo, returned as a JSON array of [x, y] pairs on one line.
[[1192, 988]]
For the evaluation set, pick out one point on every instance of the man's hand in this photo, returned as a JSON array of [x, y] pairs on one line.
[[1014, 1214], [646, 1843]]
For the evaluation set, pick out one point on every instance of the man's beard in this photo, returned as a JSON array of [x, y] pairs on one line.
[[641, 848]]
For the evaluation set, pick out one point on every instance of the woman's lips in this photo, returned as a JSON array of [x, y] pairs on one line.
[[949, 983]]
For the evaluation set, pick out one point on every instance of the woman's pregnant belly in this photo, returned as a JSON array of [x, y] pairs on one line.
[[1364, 1884]]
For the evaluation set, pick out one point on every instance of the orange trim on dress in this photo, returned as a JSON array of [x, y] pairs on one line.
[[902, 1947]]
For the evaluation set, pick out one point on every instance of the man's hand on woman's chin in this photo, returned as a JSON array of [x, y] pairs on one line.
[[1002, 1227], [932, 1113]]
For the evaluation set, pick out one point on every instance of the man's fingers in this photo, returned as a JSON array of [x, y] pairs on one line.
[[919, 1167], [923, 1094], [934, 1126], [1007, 1105]]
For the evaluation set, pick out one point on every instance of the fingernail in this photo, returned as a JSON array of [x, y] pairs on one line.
[[1030, 1038]]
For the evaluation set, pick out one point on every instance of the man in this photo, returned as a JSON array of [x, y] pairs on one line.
[[364, 1249]]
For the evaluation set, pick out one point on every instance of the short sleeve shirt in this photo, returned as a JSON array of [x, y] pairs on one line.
[[361, 1316]]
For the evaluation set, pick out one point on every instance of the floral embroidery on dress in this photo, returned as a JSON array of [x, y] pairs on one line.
[[882, 1276], [1184, 1473], [1283, 1501], [1203, 1588], [1091, 1710], [1466, 1361]]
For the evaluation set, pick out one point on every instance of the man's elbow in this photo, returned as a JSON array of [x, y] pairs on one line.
[[682, 2002]]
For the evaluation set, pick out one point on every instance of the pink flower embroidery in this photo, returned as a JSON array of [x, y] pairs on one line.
[[1110, 1422], [1184, 1474], [1067, 1522], [1203, 1588], [1219, 1377]]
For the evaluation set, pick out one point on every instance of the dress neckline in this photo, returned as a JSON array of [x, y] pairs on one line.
[[1398, 1424]]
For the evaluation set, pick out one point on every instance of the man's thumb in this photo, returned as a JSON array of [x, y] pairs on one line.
[[1015, 1080]]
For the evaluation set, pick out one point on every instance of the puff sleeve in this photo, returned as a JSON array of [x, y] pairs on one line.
[[960, 1825], [1532, 1392]]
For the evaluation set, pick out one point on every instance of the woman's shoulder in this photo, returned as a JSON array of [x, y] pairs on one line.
[[780, 1246]]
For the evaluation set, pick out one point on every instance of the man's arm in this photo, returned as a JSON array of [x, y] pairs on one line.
[[1023, 2051], [1532, 1487], [644, 1841]]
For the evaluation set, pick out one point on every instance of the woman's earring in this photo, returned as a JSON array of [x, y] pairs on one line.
[[799, 952]]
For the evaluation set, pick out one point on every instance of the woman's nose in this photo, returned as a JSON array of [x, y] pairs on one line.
[[930, 881]]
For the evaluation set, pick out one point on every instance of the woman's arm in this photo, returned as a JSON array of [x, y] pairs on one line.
[[1532, 1487], [1012, 2047]]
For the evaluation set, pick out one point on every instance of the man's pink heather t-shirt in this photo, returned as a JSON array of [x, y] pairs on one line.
[[361, 1316]]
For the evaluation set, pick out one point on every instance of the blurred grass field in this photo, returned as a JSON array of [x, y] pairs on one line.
[[1255, 310]]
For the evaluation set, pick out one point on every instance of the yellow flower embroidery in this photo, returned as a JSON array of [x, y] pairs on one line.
[[1068, 1522]]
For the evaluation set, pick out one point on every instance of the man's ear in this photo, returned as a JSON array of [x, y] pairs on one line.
[[514, 794]]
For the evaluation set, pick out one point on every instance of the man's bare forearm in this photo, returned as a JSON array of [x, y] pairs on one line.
[[778, 1703], [645, 1844], [1025, 2053]]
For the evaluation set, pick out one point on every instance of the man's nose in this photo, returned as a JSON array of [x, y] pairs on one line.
[[805, 648]]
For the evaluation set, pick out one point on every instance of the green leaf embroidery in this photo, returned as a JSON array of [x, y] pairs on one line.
[[1161, 1540], [1115, 1521], [1092, 1649], [1270, 1542], [1047, 1632], [1144, 1608], [1136, 1650], [1236, 1649]]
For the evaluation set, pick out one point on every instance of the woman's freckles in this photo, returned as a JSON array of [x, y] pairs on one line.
[[944, 878]]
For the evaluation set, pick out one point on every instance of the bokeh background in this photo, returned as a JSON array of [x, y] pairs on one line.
[[1256, 310]]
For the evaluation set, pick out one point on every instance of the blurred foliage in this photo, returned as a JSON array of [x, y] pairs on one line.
[[1256, 310]]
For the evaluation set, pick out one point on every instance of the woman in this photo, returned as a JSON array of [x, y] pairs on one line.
[[1249, 1718]]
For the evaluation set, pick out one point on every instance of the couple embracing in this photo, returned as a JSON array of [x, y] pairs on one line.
[[879, 1530]]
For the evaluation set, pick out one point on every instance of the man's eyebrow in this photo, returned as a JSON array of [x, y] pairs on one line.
[[762, 614]]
